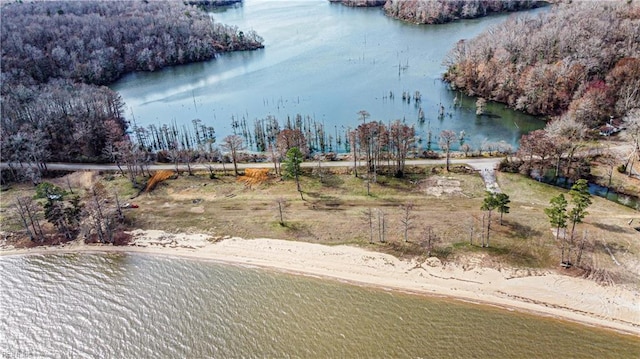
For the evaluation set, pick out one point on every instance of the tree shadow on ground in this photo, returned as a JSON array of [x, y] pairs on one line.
[[332, 181], [318, 201], [521, 231], [297, 230], [610, 227]]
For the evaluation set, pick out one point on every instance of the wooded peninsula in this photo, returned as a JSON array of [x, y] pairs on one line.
[[442, 11], [56, 57]]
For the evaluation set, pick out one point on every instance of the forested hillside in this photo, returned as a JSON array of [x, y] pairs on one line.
[[581, 59], [443, 11], [54, 54], [98, 41], [360, 3]]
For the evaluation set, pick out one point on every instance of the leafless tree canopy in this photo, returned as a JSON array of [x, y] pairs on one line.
[[442, 11], [580, 58], [54, 54], [98, 41]]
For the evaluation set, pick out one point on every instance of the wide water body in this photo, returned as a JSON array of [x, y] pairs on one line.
[[325, 61], [136, 306]]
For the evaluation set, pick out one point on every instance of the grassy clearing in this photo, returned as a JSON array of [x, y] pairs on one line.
[[605, 226], [332, 213], [619, 181]]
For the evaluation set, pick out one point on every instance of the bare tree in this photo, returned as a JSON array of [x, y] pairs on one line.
[[429, 239], [187, 156], [353, 140], [233, 144], [281, 205], [536, 147], [466, 148], [99, 214], [401, 140], [581, 247], [372, 137], [382, 226], [407, 219], [207, 156], [565, 136], [290, 138], [447, 139], [632, 121], [367, 217], [174, 156], [132, 157], [471, 230], [609, 162], [363, 115], [29, 211]]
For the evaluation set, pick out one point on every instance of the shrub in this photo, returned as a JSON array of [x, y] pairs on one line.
[[512, 166]]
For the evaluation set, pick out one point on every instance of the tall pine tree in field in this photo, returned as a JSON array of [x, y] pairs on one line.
[[502, 204], [580, 199], [557, 214], [292, 166], [489, 204]]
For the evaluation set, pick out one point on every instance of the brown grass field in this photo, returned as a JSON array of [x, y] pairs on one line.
[[332, 212]]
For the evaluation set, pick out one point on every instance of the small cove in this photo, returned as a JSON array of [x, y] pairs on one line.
[[325, 62]]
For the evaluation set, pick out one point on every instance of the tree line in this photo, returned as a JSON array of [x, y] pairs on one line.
[[581, 59], [96, 42], [360, 3], [552, 152], [58, 121], [378, 144], [97, 215], [560, 153], [383, 146], [444, 11], [560, 216], [57, 55]]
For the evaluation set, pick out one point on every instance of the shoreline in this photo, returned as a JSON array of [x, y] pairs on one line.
[[541, 293]]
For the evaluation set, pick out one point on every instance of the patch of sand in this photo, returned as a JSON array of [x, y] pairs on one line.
[[198, 209], [78, 179], [439, 186], [544, 293]]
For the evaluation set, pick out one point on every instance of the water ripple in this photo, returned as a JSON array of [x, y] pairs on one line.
[[133, 306]]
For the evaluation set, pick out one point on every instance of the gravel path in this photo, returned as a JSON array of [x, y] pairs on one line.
[[487, 170]]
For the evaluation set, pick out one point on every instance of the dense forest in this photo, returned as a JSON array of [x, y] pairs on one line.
[[443, 11], [55, 56], [360, 3], [208, 3], [97, 42], [580, 59]]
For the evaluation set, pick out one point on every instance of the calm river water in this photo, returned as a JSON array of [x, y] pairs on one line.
[[137, 306], [328, 62]]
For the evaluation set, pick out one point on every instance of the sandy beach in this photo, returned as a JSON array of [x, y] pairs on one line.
[[540, 292]]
